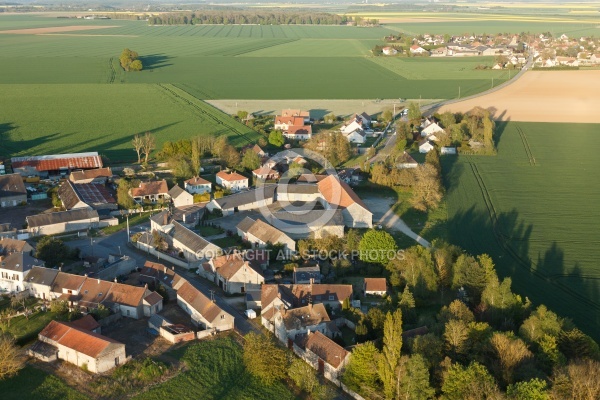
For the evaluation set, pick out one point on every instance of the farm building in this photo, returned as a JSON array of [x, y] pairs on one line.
[[39, 282], [234, 274], [447, 150], [303, 223], [265, 173], [53, 165], [232, 181], [259, 234], [374, 286], [180, 197], [204, 312], [197, 185], [65, 341], [294, 192], [292, 296], [152, 192], [61, 222], [12, 190], [247, 200], [338, 195], [100, 175], [191, 246], [86, 195], [14, 268]]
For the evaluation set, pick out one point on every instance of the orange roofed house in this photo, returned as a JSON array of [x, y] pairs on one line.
[[322, 353], [76, 345], [152, 192], [294, 124], [232, 181], [374, 286], [337, 194]]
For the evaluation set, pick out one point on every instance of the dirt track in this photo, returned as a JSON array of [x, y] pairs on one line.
[[543, 96], [57, 29]]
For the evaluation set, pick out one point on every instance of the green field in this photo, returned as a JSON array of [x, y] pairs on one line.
[[32, 383], [535, 207]]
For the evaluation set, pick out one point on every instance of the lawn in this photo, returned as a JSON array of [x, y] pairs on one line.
[[33, 383], [215, 370], [207, 230], [25, 330], [535, 207], [229, 241]]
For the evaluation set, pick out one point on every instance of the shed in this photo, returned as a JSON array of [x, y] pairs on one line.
[[251, 314]]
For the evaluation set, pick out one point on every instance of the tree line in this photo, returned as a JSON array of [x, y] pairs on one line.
[[250, 17], [130, 60]]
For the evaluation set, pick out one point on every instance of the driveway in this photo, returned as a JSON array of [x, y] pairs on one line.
[[230, 222]]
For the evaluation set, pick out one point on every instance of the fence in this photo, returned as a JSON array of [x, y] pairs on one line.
[[160, 255]]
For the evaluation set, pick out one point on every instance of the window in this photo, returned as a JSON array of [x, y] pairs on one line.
[[222, 317], [331, 298], [128, 313]]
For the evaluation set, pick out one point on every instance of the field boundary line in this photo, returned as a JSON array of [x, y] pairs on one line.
[[527, 147]]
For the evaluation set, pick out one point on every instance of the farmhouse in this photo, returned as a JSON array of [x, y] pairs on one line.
[[374, 286], [248, 200], [234, 274], [431, 129], [52, 165], [204, 312], [192, 246], [129, 300], [406, 161], [150, 192], [293, 296], [232, 181], [287, 324], [180, 197], [416, 49], [197, 185], [259, 234], [12, 190], [353, 130], [14, 267], [284, 123], [337, 194], [322, 353], [61, 222], [66, 286], [75, 345], [296, 113], [100, 175]]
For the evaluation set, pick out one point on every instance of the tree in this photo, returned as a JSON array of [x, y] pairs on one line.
[[386, 115], [403, 131], [242, 115], [52, 250], [263, 358], [377, 246], [447, 119], [416, 268], [303, 375], [276, 138], [196, 156], [330, 118], [390, 356], [428, 190], [433, 158], [414, 113], [11, 357], [138, 143], [469, 274], [534, 389], [124, 199], [430, 347], [361, 371], [578, 381], [220, 146], [250, 160], [576, 344], [456, 334], [20, 302], [413, 379], [136, 65], [511, 351], [262, 142], [541, 322], [488, 132], [230, 156], [469, 383], [149, 144], [407, 303]]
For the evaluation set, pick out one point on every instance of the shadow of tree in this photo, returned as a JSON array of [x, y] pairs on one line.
[[155, 61]]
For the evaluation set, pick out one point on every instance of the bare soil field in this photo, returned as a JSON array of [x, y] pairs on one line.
[[542, 96], [56, 29], [318, 108]]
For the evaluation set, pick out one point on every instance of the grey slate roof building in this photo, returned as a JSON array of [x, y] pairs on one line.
[[60, 217], [12, 190], [41, 276], [247, 197]]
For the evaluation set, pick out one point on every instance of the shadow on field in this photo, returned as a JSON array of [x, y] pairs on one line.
[[155, 61], [479, 228], [318, 113], [10, 148]]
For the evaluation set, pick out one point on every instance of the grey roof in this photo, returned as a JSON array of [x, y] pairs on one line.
[[42, 276], [68, 195], [176, 191], [247, 197], [19, 262], [263, 231], [330, 217], [406, 159], [305, 188], [7, 227], [253, 295], [295, 206], [162, 218], [245, 224], [188, 238], [12, 185], [58, 217], [159, 320]]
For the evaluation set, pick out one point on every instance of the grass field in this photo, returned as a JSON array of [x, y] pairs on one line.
[[535, 208], [32, 383], [215, 370]]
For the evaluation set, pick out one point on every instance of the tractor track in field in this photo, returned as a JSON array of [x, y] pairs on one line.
[[526, 146], [504, 242], [201, 111], [113, 73]]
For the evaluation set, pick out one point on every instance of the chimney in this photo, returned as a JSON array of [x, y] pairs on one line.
[[115, 279], [166, 269], [312, 280], [60, 269], [145, 286], [85, 275], [98, 281], [308, 332]]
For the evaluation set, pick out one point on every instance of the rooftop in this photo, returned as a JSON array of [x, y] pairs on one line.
[[150, 188], [78, 339], [81, 214], [231, 176], [11, 185]]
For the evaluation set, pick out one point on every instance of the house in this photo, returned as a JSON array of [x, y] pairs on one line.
[[322, 353], [265, 173], [252, 299], [86, 349], [283, 123], [232, 181], [129, 300], [259, 152], [189, 216], [260, 234], [193, 246], [595, 58], [234, 274], [296, 113], [14, 267], [357, 136], [12, 190], [389, 51], [353, 130], [87, 323], [416, 49], [406, 161], [39, 282], [7, 231], [151, 192], [298, 132], [448, 150], [374, 286], [61, 222], [259, 257], [247, 200], [53, 165], [306, 275], [337, 194], [287, 324], [8, 246], [197, 185], [431, 129], [85, 195], [66, 286], [425, 146], [99, 175], [204, 312], [180, 197], [439, 52]]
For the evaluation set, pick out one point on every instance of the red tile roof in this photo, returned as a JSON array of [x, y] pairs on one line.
[[294, 121], [231, 177], [59, 161], [80, 340], [197, 181], [87, 323], [90, 174], [327, 350], [153, 298], [338, 193], [148, 188], [299, 130], [375, 285]]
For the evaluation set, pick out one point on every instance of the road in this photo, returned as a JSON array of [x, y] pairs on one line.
[[117, 244]]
